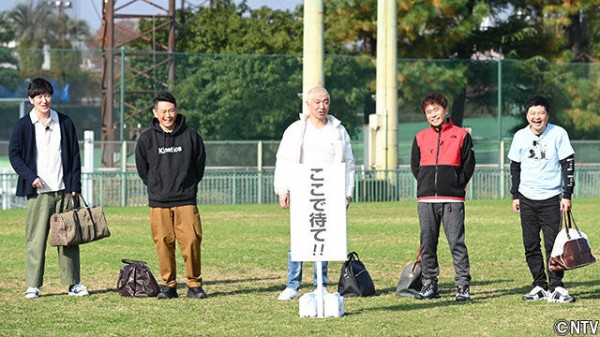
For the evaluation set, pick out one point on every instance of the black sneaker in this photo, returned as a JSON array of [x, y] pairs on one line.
[[196, 292], [462, 293], [428, 291], [167, 292]]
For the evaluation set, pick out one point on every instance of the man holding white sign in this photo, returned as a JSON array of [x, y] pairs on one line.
[[317, 141]]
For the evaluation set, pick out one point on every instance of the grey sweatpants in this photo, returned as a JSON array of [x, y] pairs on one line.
[[452, 215]]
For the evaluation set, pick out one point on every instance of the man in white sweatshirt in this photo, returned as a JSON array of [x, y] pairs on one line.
[[316, 137]]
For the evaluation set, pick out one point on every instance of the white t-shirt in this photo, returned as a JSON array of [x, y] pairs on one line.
[[540, 156]]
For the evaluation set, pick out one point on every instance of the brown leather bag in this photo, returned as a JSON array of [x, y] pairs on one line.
[[136, 280], [571, 248], [79, 225]]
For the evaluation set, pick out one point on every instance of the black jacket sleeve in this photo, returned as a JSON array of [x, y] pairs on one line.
[[415, 159], [468, 158], [515, 177], [568, 172]]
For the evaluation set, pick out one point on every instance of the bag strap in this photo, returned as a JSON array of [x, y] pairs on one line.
[[89, 210], [572, 218], [565, 224], [84, 202], [353, 256]]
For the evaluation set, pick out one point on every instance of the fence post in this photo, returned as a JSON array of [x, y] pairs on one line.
[[123, 174], [5, 190], [500, 136], [501, 170], [259, 162], [234, 201], [88, 166]]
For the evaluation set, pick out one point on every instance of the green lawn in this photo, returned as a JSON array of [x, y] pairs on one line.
[[244, 262]]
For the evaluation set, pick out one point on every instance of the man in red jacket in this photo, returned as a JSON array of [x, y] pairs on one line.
[[443, 162]]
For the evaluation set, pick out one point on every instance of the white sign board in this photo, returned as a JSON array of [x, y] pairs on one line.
[[318, 213]]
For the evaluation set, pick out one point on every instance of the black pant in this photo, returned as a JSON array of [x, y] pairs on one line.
[[541, 215]]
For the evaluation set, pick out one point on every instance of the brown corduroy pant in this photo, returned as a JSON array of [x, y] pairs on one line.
[[181, 224]]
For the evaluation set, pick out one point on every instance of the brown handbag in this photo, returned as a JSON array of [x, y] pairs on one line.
[[79, 225], [136, 280], [571, 248]]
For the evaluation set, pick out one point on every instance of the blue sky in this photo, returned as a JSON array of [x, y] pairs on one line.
[[91, 10]]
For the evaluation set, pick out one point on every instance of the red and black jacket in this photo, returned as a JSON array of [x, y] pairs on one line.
[[443, 162]]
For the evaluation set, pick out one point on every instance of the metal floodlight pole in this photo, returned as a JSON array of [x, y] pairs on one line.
[[117, 80]]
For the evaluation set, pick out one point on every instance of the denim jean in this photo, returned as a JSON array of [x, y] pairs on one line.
[[294, 273]]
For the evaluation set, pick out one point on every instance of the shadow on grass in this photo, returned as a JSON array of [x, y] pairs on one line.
[[591, 292], [447, 291], [450, 288], [238, 291], [207, 283]]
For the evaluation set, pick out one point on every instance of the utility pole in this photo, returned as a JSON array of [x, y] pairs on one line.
[[383, 125], [313, 54]]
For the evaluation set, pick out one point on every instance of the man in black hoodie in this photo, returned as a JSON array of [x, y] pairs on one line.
[[170, 159]]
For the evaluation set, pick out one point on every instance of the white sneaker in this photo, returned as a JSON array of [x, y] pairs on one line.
[[537, 293], [32, 293], [78, 290], [287, 294], [560, 295]]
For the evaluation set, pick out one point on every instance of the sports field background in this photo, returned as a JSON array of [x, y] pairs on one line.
[[244, 265]]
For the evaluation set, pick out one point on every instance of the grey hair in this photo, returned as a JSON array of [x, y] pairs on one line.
[[317, 89]]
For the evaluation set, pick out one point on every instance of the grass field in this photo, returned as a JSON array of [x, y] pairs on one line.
[[244, 262]]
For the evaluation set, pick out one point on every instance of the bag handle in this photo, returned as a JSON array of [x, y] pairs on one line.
[[572, 218], [565, 221], [565, 224], [353, 256], [128, 261]]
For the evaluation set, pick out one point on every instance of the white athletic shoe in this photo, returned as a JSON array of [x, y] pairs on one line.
[[78, 290], [32, 293], [560, 295], [287, 294], [537, 293]]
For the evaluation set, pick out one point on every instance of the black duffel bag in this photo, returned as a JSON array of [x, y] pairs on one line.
[[355, 279], [136, 280]]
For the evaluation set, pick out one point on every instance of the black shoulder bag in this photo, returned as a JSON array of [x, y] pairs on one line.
[[355, 279]]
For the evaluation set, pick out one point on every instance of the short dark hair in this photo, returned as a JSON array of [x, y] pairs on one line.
[[164, 96], [537, 100], [39, 86], [434, 98]]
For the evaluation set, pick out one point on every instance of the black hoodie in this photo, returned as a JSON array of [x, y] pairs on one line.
[[171, 164]]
